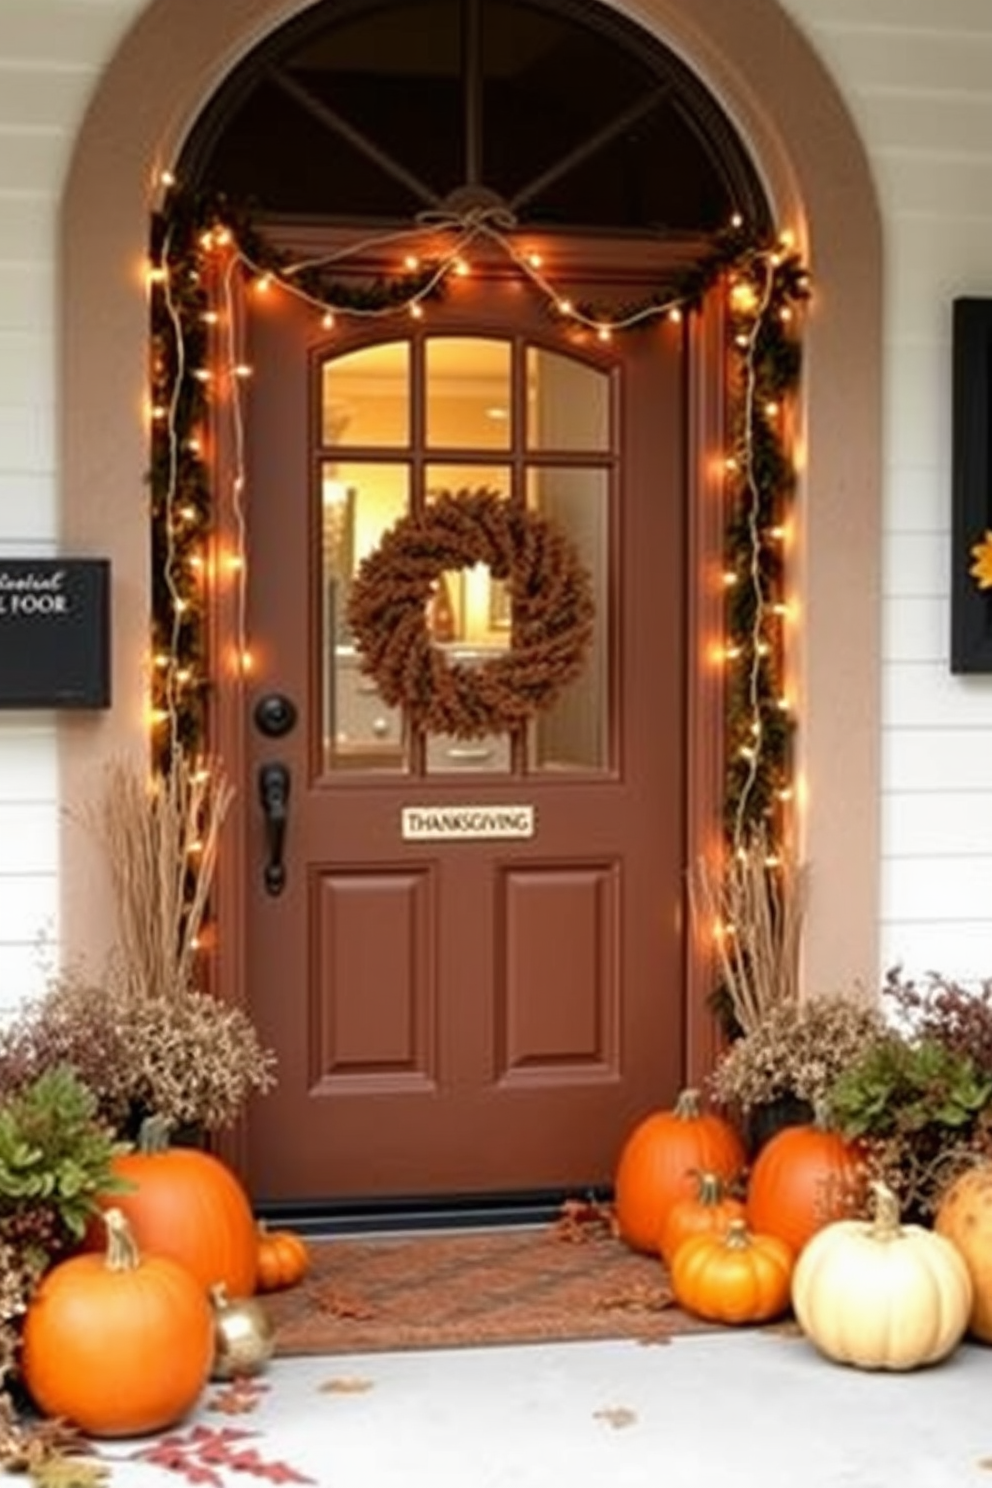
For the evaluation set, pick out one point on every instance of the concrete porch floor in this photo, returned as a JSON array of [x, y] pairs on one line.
[[746, 1408]]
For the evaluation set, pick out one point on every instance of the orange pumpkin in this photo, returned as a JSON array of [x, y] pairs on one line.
[[283, 1259], [709, 1211], [118, 1344], [738, 1277], [804, 1178], [964, 1216], [658, 1163], [189, 1205]]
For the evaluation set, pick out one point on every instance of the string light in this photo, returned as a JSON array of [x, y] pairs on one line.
[[763, 286]]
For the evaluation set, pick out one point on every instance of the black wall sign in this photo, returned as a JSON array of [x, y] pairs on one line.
[[971, 482], [54, 633]]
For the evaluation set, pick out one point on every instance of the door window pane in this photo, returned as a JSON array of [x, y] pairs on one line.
[[568, 403], [572, 734], [365, 397], [468, 393], [471, 607], [359, 501]]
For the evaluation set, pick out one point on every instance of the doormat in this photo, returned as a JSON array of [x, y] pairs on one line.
[[569, 1281]]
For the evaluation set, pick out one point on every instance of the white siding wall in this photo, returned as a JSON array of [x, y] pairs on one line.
[[51, 53], [917, 75], [918, 78]]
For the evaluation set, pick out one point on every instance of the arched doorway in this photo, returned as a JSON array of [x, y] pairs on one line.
[[816, 174], [468, 1015]]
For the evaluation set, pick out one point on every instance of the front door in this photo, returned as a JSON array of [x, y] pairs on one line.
[[468, 1013]]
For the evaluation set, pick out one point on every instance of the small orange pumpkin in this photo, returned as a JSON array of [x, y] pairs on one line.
[[187, 1204], [804, 1178], [658, 1162], [283, 1259], [709, 1211], [738, 1277], [119, 1344]]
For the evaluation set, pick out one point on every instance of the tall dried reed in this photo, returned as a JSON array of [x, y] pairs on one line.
[[754, 906], [160, 835]]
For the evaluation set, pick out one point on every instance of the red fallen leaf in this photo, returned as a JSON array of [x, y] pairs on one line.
[[195, 1455]]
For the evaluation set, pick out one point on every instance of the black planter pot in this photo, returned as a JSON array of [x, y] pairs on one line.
[[764, 1121]]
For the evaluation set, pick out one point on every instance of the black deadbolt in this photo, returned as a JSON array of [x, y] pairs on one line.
[[274, 715]]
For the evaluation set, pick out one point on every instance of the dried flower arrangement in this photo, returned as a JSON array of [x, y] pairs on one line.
[[191, 1059], [796, 1050], [919, 1098]]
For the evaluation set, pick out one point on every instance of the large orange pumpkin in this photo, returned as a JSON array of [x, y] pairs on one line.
[[187, 1204], [660, 1161], [118, 1344], [964, 1216], [804, 1178]]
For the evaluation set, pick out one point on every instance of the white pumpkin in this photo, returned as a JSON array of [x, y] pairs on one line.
[[881, 1295]]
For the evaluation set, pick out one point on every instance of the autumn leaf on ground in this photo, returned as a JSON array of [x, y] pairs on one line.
[[196, 1454], [616, 1416], [784, 1328], [68, 1472], [348, 1385], [636, 1297], [238, 1398], [341, 1306], [585, 1219]]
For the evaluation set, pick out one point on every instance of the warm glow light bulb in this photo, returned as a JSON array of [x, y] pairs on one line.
[[675, 314], [411, 262], [327, 320], [417, 311], [604, 333], [564, 307], [535, 260], [743, 297]]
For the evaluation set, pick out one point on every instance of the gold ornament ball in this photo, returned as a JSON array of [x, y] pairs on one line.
[[244, 1337]]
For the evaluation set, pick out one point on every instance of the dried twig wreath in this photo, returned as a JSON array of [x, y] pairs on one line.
[[552, 608]]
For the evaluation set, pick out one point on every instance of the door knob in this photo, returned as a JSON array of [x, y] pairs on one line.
[[273, 790], [275, 715]]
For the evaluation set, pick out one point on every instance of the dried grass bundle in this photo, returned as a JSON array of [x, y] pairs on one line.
[[757, 905], [160, 836]]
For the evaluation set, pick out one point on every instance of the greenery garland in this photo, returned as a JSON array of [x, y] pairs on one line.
[[552, 609]]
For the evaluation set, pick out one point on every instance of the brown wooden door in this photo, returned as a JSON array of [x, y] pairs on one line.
[[479, 1015]]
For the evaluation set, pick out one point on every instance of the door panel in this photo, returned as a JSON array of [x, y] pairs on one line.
[[469, 1015]]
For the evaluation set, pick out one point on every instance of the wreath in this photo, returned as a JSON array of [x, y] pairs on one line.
[[552, 608]]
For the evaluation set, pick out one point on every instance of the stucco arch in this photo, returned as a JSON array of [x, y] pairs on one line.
[[806, 149]]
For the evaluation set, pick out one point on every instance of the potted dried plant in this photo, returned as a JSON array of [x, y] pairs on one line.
[[145, 1036], [753, 905]]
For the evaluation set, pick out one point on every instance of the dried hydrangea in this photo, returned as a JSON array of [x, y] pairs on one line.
[[192, 1059], [797, 1049]]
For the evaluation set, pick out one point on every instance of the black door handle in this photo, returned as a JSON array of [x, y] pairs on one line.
[[273, 789]]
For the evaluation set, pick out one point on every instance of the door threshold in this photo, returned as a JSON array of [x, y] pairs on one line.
[[326, 1218]]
